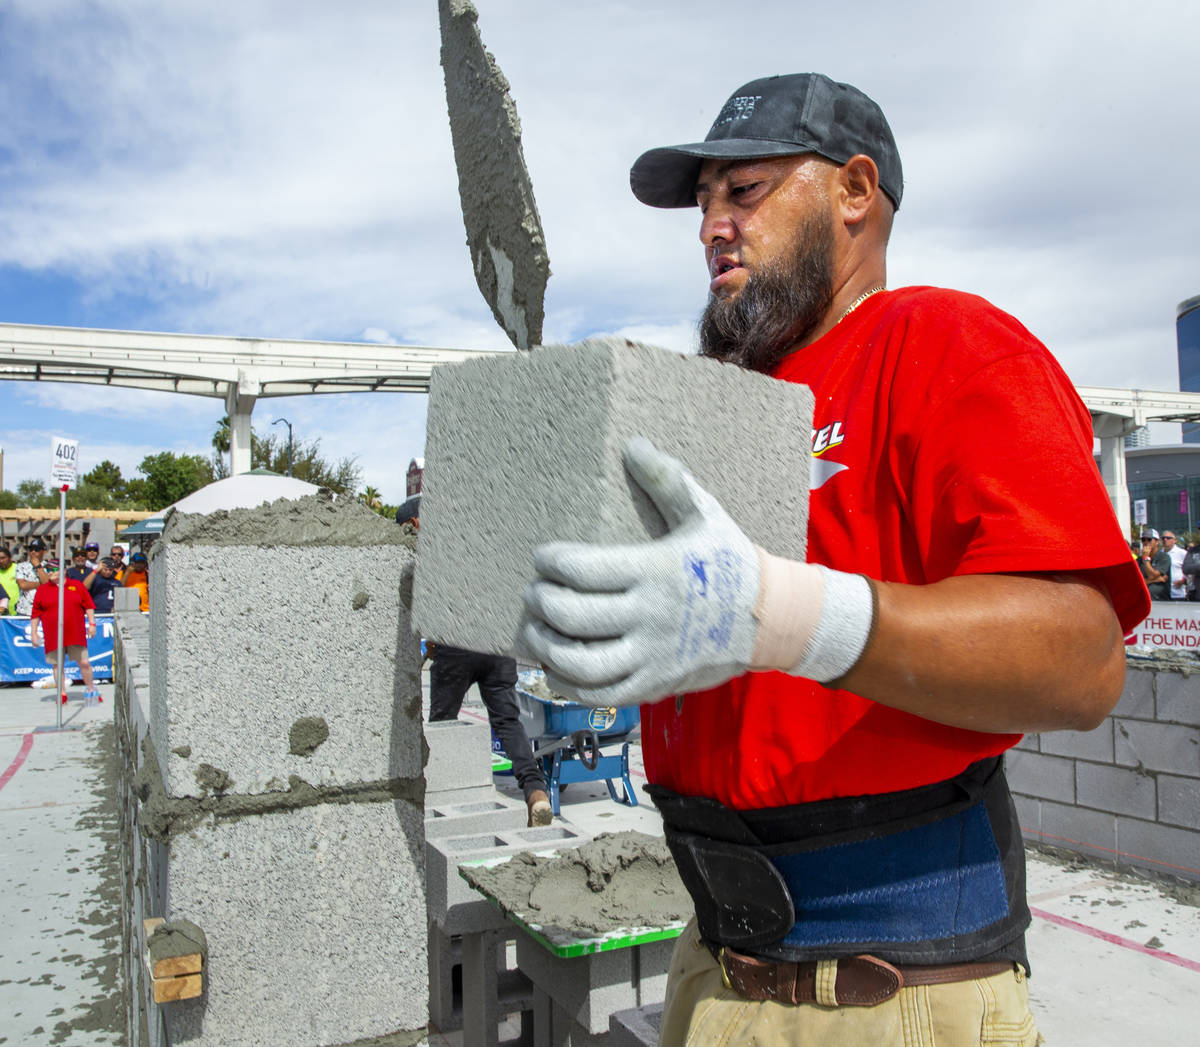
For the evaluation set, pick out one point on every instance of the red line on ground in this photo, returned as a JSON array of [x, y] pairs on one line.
[[1108, 850], [1115, 939], [19, 759]]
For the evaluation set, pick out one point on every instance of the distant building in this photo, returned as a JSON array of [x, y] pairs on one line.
[[1187, 335], [1140, 437], [416, 472]]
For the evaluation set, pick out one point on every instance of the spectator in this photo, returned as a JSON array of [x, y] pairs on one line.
[[31, 573], [118, 554], [1191, 569], [8, 580], [136, 578], [101, 584], [1155, 565], [92, 553], [1177, 555], [79, 568], [77, 606]]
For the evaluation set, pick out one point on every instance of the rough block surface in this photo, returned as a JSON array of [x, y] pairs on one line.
[[501, 481], [252, 653], [301, 951], [460, 757]]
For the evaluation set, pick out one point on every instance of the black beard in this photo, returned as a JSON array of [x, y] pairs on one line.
[[780, 305]]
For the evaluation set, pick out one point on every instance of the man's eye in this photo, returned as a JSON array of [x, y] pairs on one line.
[[739, 190]]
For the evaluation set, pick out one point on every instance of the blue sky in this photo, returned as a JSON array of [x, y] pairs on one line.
[[284, 169]]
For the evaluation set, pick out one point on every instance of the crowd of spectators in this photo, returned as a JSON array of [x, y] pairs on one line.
[[99, 575], [1172, 572]]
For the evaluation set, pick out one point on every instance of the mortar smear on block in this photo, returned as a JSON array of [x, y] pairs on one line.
[[526, 448]]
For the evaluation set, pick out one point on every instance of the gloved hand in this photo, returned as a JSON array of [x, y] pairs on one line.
[[622, 624]]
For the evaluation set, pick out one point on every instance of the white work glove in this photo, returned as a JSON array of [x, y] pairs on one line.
[[623, 624]]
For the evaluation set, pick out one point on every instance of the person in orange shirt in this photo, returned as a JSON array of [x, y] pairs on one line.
[[137, 578]]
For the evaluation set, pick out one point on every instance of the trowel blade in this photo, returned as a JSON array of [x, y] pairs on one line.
[[504, 232]]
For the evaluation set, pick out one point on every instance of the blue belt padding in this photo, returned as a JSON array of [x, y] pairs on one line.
[[935, 881]]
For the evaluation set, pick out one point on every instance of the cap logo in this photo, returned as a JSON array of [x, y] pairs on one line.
[[740, 107]]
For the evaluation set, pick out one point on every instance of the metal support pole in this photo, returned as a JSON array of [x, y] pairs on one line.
[[62, 575], [284, 421]]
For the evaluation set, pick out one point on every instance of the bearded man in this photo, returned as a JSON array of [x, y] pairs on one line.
[[830, 766]]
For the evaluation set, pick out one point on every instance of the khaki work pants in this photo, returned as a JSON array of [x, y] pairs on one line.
[[701, 1012]]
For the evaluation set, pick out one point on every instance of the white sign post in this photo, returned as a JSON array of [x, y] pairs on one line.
[[64, 474]]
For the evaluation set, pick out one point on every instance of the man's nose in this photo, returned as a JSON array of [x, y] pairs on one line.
[[717, 226]]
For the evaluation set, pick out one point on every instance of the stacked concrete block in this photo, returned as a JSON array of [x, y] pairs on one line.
[[575, 998], [458, 769], [1127, 793], [280, 776], [499, 482], [638, 1027]]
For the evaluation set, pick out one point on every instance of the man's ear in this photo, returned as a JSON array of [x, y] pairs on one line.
[[858, 185]]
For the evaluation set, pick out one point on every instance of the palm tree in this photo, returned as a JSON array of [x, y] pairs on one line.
[[371, 498]]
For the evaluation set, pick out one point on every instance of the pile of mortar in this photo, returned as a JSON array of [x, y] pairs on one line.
[[617, 882]]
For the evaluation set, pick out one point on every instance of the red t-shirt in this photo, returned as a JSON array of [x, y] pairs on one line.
[[946, 441], [76, 599]]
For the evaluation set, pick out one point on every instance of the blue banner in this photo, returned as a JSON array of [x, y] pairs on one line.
[[21, 662]]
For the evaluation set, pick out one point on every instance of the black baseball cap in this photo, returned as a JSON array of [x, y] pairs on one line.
[[776, 116], [37, 543]]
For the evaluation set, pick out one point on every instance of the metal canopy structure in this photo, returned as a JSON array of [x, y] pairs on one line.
[[236, 370]]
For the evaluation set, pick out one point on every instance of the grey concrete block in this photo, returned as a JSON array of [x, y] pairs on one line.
[[1137, 697], [315, 923], [1029, 815], [1047, 777], [636, 1028], [1178, 697], [126, 600], [1080, 829], [500, 481], [465, 819], [245, 651], [591, 989], [1085, 745], [460, 757], [1158, 747], [1179, 801], [455, 906], [1030, 743], [1160, 848], [1115, 789]]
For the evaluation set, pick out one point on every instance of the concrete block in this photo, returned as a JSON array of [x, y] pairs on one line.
[[636, 1028], [1116, 789], [315, 926], [1085, 745], [1030, 743], [1047, 777], [500, 482], [348, 685], [1029, 815], [460, 757], [445, 979], [1160, 848], [465, 819], [454, 905], [591, 989], [1179, 801], [1137, 697], [1178, 697], [1158, 747], [126, 600], [1080, 829]]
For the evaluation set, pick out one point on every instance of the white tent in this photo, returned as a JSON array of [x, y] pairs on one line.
[[244, 491]]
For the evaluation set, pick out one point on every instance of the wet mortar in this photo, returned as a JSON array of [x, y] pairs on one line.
[[307, 735], [618, 881]]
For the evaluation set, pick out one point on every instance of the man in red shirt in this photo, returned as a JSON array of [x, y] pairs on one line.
[[77, 606], [830, 767]]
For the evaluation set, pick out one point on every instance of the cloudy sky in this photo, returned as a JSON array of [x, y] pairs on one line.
[[284, 169]]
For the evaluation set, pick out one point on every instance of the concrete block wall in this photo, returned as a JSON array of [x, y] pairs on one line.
[[275, 778], [500, 482], [1127, 793]]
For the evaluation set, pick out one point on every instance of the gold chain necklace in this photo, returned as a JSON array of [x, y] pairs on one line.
[[859, 301]]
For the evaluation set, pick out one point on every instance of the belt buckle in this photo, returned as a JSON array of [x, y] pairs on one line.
[[724, 971]]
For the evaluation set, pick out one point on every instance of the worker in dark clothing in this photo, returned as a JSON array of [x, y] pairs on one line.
[[451, 674]]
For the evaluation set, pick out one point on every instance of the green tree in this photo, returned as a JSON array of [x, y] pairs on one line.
[[106, 476], [9, 500], [170, 476], [371, 498], [271, 452], [31, 491]]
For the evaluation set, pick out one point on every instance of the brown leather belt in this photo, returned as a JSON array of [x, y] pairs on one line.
[[858, 981]]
